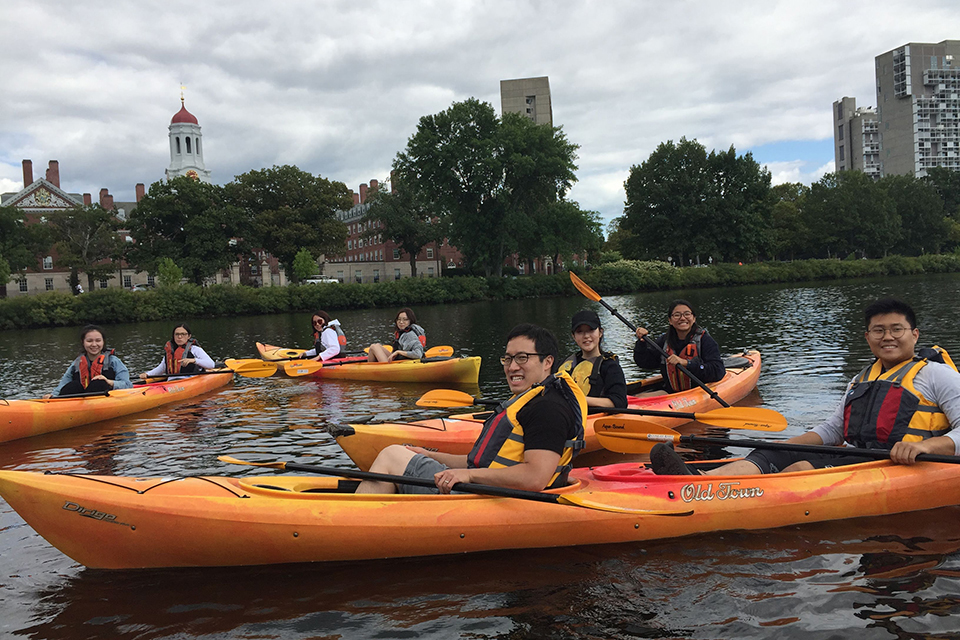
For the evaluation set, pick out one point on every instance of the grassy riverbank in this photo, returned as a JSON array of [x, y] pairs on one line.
[[109, 306]]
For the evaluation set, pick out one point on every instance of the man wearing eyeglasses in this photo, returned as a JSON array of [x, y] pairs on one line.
[[901, 402], [528, 443]]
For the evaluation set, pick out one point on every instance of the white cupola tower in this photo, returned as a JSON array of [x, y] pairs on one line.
[[186, 147]]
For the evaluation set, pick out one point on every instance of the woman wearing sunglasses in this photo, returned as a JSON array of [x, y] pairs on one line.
[[328, 338], [686, 343]]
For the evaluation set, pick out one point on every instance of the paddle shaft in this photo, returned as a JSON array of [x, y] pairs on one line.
[[187, 375], [466, 487], [877, 454], [627, 410], [649, 341]]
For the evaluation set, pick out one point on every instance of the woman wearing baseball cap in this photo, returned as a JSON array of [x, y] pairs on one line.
[[596, 372]]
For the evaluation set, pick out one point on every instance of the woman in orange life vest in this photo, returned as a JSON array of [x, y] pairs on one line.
[[686, 343], [328, 338], [182, 355], [95, 369], [409, 340], [596, 372]]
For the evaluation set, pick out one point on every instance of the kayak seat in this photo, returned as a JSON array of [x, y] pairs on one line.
[[437, 359], [737, 362]]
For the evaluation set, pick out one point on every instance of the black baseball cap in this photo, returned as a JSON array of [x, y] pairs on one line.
[[587, 317]]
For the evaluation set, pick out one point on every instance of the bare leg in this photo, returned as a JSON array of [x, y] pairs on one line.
[[378, 353], [392, 460], [738, 468]]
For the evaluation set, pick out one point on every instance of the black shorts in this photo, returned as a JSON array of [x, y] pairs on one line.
[[777, 461]]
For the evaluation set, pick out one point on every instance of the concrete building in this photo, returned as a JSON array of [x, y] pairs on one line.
[[527, 96], [856, 140], [917, 115]]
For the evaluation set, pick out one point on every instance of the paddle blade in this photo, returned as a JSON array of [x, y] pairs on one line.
[[297, 368], [752, 418], [272, 465], [631, 435], [584, 288], [443, 351], [255, 369], [388, 347], [446, 398]]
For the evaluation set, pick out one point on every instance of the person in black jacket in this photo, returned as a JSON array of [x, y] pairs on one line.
[[596, 372], [686, 343]]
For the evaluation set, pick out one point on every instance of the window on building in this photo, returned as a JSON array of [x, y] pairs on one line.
[[840, 111], [358, 275], [198, 146], [430, 273], [178, 144], [340, 275], [151, 281], [48, 263], [376, 275], [396, 254], [103, 283], [429, 254], [23, 285], [840, 132], [127, 282], [396, 274], [841, 153], [48, 284], [188, 145]]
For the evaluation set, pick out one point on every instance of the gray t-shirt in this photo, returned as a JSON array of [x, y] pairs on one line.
[[938, 383]]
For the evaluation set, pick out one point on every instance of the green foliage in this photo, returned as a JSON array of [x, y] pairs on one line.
[[4, 270], [86, 240], [849, 212], [22, 244], [920, 208], [492, 179], [304, 265], [169, 273], [405, 217], [947, 184], [291, 210], [191, 223]]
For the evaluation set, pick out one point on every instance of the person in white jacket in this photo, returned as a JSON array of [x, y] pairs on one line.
[[328, 337], [182, 356]]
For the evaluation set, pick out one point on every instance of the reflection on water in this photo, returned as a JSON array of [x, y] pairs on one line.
[[894, 576]]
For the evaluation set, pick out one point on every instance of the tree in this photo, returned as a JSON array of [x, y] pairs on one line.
[[564, 230], [847, 212], [304, 265], [738, 205], [404, 218], [787, 235], [292, 210], [947, 184], [488, 177], [87, 240], [191, 223], [920, 208], [169, 273], [21, 243], [666, 211]]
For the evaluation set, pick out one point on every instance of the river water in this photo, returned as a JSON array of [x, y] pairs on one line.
[[888, 577]]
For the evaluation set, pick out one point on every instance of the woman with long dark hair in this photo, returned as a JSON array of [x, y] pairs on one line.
[[409, 340], [181, 355], [95, 369], [685, 343], [328, 338]]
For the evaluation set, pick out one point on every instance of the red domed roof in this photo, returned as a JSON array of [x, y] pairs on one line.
[[184, 116]]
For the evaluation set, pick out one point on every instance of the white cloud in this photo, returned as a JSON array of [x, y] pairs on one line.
[[337, 87], [797, 171]]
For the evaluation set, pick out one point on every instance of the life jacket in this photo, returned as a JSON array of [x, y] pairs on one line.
[[884, 407], [417, 331], [501, 440], [87, 371], [679, 381], [173, 354], [586, 373]]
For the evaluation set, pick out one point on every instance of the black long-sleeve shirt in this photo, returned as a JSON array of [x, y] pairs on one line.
[[707, 366]]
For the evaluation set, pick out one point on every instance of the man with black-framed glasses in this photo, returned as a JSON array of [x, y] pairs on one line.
[[528, 443], [901, 402]]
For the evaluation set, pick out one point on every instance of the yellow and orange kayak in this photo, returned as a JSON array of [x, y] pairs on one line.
[[123, 523], [439, 369], [457, 433], [24, 418]]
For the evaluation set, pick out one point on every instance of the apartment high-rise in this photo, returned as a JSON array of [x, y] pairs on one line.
[[527, 96], [856, 139]]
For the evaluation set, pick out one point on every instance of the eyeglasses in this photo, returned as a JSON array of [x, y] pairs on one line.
[[180, 333], [316, 322], [520, 358], [897, 331], [684, 314]]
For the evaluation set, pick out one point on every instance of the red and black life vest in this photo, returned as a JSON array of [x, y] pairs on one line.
[[173, 354], [87, 370], [417, 331], [679, 381]]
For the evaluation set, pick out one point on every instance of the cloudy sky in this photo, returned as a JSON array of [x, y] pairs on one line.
[[337, 87]]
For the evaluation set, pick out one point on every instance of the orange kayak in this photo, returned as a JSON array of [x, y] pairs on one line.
[[456, 434], [439, 369], [24, 418], [123, 523]]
